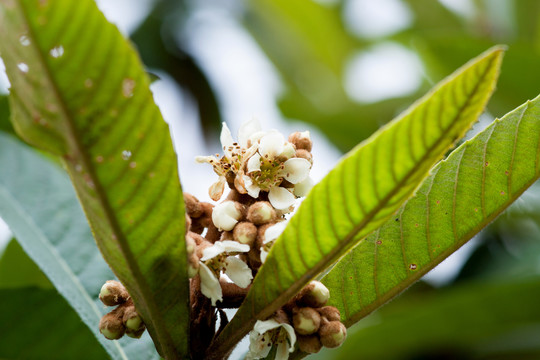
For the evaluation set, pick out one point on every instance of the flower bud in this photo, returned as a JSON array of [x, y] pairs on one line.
[[261, 212], [193, 206], [332, 334], [306, 320], [132, 320], [315, 295], [192, 270], [245, 233], [113, 293], [310, 344], [136, 334], [226, 215], [188, 223], [112, 326], [281, 317], [191, 245], [330, 313], [301, 140], [304, 154]]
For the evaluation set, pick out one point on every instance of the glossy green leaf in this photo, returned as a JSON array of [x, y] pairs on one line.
[[80, 91], [477, 320], [365, 189], [40, 207], [462, 195], [37, 323]]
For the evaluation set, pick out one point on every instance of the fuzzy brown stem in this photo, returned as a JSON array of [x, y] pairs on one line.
[[233, 295]]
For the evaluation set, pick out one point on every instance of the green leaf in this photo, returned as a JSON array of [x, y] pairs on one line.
[[364, 190], [37, 323], [477, 320], [79, 90], [18, 270], [40, 207], [462, 195]]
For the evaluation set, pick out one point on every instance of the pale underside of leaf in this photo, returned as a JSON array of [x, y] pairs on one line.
[[80, 91], [366, 188]]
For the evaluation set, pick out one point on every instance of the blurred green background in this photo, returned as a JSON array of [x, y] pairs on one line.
[[344, 68]]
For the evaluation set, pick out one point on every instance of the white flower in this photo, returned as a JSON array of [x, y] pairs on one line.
[[223, 247], [226, 215], [210, 284], [249, 133], [281, 198], [302, 188], [270, 331], [270, 235], [217, 257], [271, 145], [238, 271], [295, 170]]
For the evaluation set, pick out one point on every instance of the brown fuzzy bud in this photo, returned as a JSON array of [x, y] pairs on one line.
[[330, 313], [191, 245], [260, 234], [301, 140], [136, 334], [113, 293], [188, 223], [206, 217], [245, 233], [132, 320], [262, 212], [314, 295], [304, 154], [226, 235], [332, 334], [193, 206], [306, 320], [111, 324], [281, 317], [200, 248], [310, 344]]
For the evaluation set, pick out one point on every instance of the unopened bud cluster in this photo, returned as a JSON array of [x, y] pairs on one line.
[[315, 325], [124, 319]]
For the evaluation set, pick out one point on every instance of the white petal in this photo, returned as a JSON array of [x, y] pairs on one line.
[[255, 137], [288, 151], [303, 187], [221, 247], [282, 351], [264, 254], [226, 140], [258, 348], [263, 326], [225, 215], [252, 189], [290, 335], [210, 284], [247, 130], [254, 163], [238, 272], [281, 198], [274, 231], [295, 170], [271, 144]]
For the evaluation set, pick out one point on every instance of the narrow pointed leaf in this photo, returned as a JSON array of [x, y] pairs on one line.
[[80, 91], [46, 218], [365, 189], [463, 194]]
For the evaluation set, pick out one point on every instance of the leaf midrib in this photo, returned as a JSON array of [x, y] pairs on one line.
[[334, 254], [156, 317]]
